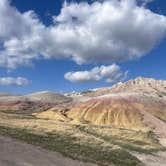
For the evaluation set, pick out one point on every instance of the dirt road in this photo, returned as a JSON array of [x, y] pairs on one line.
[[16, 153], [157, 159]]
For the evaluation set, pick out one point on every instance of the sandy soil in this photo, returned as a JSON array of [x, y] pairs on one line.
[[16, 153]]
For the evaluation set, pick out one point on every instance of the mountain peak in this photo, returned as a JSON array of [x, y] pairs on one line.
[[146, 81], [139, 85]]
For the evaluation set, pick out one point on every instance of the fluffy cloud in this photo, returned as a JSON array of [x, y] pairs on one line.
[[111, 73], [104, 31], [18, 81]]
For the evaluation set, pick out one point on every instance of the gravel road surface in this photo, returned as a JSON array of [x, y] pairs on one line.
[[17, 153]]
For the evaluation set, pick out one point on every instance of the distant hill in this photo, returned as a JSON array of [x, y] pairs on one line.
[[34, 102], [4, 94], [48, 97]]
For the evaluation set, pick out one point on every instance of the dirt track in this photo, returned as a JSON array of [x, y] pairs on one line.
[[158, 159], [15, 153]]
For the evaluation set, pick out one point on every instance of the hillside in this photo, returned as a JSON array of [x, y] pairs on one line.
[[138, 104]]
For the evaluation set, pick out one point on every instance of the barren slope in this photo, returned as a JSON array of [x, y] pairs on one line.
[[138, 104], [126, 112]]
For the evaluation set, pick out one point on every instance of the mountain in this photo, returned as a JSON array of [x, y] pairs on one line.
[[135, 104], [138, 104]]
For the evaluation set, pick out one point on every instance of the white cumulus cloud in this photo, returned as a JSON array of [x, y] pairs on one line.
[[104, 31], [16, 81], [111, 73]]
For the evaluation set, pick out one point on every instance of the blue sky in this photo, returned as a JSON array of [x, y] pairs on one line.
[[49, 73]]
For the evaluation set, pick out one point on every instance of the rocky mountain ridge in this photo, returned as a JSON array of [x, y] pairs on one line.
[[140, 85]]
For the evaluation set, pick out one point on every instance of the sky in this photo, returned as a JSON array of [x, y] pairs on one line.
[[67, 46]]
